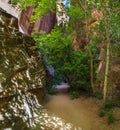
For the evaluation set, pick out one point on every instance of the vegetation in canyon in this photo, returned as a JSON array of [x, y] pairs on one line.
[[86, 49], [74, 48]]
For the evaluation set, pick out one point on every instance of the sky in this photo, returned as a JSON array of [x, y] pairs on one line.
[[65, 2]]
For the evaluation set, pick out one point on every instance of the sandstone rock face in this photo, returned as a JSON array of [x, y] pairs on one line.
[[45, 24], [21, 73], [22, 79], [9, 8], [21, 66], [25, 26]]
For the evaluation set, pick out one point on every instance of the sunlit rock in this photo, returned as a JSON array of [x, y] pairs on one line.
[[21, 71], [21, 67]]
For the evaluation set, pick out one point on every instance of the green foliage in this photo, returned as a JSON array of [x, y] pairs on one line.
[[111, 15], [58, 77], [108, 114], [24, 3], [109, 29], [77, 70], [110, 117], [52, 81], [74, 65], [55, 46], [75, 13], [97, 94], [52, 90], [50, 87], [41, 6], [115, 50], [109, 105], [101, 112], [95, 52], [74, 94], [107, 110]]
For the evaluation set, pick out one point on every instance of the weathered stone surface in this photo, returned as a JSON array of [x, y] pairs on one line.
[[22, 78], [45, 24], [21, 66]]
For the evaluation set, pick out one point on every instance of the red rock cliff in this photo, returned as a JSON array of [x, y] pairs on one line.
[[46, 23]]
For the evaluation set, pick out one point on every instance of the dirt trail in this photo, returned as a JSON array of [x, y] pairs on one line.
[[82, 112]]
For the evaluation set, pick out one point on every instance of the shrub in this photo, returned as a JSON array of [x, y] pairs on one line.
[[77, 70], [50, 87], [110, 117], [109, 105], [74, 94], [101, 112], [74, 65]]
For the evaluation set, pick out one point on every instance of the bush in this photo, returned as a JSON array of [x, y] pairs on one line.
[[74, 94], [50, 87], [110, 117], [52, 90], [107, 111], [74, 65], [101, 112], [109, 105], [77, 70]]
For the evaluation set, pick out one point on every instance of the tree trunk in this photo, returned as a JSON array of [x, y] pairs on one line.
[[107, 62], [91, 70], [88, 48]]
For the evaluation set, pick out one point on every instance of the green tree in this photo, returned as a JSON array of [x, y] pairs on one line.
[[41, 6], [110, 29], [57, 46], [81, 11]]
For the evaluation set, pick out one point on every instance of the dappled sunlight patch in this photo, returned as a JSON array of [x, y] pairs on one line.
[[24, 112]]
